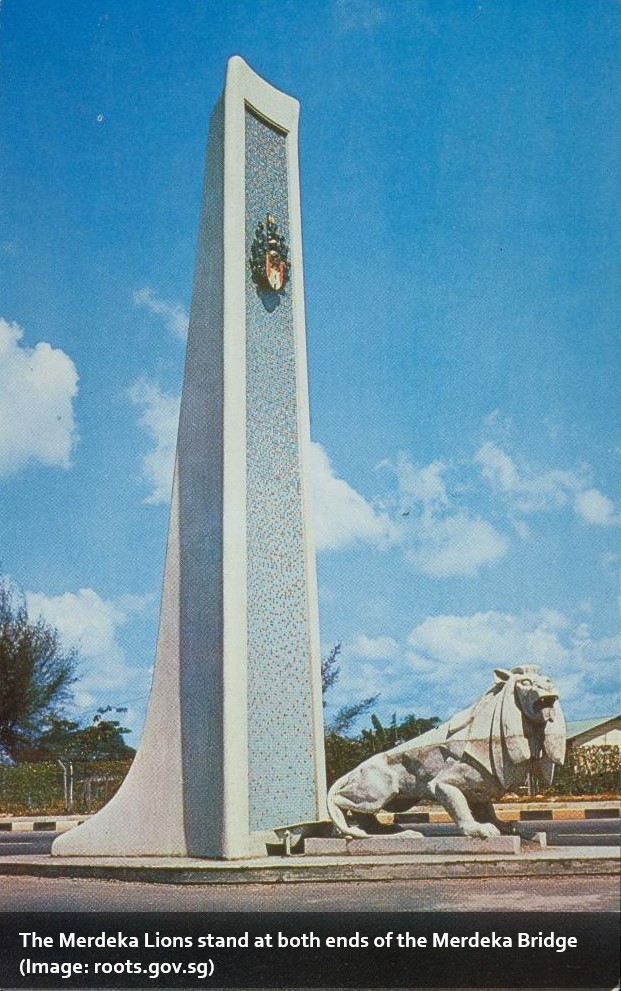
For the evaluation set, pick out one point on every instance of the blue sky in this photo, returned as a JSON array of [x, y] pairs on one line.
[[460, 175]]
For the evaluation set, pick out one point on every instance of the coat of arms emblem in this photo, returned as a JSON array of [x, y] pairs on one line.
[[269, 257]]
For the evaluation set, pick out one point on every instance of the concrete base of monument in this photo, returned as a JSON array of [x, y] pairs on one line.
[[415, 845], [532, 861], [321, 839]]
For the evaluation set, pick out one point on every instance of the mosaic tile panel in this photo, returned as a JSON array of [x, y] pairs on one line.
[[280, 740]]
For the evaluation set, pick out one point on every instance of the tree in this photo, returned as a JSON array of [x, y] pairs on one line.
[[36, 675], [381, 738], [101, 740], [330, 670], [344, 751], [347, 714]]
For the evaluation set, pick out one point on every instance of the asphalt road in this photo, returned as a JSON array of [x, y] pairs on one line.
[[545, 894]]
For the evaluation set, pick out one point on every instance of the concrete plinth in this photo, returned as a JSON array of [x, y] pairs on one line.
[[405, 843]]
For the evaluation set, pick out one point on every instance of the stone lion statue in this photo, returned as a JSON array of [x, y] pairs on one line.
[[466, 763]]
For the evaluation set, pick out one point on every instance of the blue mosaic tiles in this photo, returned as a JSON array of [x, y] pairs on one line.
[[280, 737]]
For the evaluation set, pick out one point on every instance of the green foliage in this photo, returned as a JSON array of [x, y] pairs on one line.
[[103, 739], [330, 670], [381, 738], [344, 752], [348, 714], [35, 675], [39, 789], [31, 788], [588, 771]]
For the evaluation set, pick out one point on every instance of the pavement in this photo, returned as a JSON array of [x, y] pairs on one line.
[[577, 872]]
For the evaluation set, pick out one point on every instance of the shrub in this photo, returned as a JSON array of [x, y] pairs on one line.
[[588, 771], [39, 789]]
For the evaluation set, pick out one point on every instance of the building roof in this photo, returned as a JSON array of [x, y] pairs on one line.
[[579, 726]]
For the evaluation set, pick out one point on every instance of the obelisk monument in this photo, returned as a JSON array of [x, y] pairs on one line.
[[233, 740]]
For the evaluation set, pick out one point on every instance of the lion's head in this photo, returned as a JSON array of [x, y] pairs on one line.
[[519, 720], [535, 694]]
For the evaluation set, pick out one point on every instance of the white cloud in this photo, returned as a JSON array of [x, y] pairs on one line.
[[390, 679], [522, 529], [424, 485], [448, 652], [555, 620], [173, 314], [375, 648], [491, 638], [594, 507], [37, 388], [90, 624], [342, 516], [358, 15], [438, 537], [448, 660], [497, 467], [459, 544], [160, 418], [529, 491]]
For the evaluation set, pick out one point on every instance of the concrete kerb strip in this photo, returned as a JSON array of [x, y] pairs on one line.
[[521, 812], [508, 812], [30, 824]]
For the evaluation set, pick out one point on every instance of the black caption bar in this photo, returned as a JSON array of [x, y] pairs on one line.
[[293, 950]]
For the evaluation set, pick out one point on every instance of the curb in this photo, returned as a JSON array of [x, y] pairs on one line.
[[549, 811], [506, 812], [34, 824]]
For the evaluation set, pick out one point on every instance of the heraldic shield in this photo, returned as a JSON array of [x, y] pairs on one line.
[[269, 257]]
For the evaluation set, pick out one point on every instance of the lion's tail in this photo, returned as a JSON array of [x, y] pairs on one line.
[[335, 812]]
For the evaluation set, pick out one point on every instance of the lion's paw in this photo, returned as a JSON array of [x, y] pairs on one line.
[[355, 832], [481, 830]]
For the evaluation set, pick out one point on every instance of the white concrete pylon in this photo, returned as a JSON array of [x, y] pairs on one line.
[[233, 740]]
